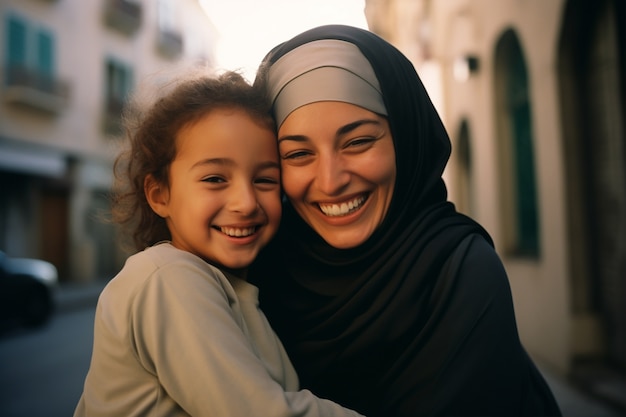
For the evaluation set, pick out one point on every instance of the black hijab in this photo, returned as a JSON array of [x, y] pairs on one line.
[[361, 324]]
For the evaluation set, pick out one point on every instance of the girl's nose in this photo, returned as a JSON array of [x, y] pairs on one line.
[[243, 199]]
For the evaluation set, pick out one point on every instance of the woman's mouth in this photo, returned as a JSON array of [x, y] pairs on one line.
[[342, 209]]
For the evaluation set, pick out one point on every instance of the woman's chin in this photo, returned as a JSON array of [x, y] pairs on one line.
[[345, 239]]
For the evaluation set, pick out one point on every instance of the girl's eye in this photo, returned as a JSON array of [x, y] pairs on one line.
[[267, 183], [214, 179], [267, 180]]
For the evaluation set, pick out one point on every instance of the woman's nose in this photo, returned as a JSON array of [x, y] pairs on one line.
[[332, 175]]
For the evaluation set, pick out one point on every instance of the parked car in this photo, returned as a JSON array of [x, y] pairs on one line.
[[27, 289]]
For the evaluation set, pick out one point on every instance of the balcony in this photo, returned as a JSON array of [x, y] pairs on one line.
[[169, 43], [27, 87], [123, 15]]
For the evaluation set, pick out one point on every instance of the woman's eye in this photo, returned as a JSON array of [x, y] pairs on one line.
[[360, 142], [295, 155]]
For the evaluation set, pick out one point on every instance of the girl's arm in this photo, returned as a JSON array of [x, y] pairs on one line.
[[187, 334]]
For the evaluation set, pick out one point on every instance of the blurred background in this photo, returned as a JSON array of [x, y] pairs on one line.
[[532, 92]]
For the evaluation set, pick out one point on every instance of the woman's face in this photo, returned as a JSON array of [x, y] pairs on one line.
[[338, 169]]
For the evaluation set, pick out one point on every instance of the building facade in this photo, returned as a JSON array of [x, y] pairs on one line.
[[533, 94], [67, 67]]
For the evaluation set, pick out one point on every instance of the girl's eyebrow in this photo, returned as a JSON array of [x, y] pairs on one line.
[[228, 162], [269, 164], [213, 161], [341, 131]]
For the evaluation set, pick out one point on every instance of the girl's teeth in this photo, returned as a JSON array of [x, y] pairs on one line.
[[343, 208], [236, 232]]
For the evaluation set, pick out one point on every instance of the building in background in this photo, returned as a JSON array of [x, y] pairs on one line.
[[66, 69], [533, 94]]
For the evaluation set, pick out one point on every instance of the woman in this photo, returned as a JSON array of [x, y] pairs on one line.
[[388, 301]]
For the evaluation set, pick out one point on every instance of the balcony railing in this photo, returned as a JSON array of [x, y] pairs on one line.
[[35, 89], [169, 43], [123, 15]]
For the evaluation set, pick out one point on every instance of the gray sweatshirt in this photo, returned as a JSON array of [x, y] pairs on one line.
[[175, 336]]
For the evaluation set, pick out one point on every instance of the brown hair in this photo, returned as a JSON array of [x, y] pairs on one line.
[[151, 132]]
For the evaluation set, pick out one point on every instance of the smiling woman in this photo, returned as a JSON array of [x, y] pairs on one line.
[[387, 299], [340, 174]]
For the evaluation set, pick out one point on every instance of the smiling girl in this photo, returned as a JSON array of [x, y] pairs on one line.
[[178, 331]]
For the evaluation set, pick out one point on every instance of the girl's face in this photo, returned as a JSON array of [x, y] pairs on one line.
[[338, 169], [223, 200]]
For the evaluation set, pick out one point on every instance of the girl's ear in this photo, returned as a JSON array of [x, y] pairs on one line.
[[157, 195]]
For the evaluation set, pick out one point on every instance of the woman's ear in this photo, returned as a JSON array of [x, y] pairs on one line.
[[157, 195]]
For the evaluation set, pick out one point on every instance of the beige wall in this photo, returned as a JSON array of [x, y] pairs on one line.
[[83, 42], [458, 27]]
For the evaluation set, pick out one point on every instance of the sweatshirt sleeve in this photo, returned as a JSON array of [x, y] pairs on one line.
[[184, 331]]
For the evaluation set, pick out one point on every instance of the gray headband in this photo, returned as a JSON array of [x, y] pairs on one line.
[[323, 70]]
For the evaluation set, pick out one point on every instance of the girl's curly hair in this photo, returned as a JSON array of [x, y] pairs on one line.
[[151, 147]]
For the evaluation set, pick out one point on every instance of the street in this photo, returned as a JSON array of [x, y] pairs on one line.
[[42, 370]]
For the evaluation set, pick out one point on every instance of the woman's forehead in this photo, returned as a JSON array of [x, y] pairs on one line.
[[323, 70]]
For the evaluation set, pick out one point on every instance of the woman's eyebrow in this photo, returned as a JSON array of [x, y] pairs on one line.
[[295, 138], [341, 131], [353, 125]]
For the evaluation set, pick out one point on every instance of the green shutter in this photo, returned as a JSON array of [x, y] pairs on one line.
[[523, 156], [16, 42], [45, 53]]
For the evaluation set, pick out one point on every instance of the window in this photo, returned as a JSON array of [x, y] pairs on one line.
[[516, 154], [118, 84], [169, 37], [29, 48], [465, 180], [45, 58], [30, 67], [123, 15], [17, 46], [167, 16]]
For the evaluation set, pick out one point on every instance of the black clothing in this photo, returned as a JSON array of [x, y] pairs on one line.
[[419, 319]]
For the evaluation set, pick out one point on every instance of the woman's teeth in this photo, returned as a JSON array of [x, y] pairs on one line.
[[237, 232], [342, 209]]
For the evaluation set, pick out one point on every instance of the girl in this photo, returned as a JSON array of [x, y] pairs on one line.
[[178, 331]]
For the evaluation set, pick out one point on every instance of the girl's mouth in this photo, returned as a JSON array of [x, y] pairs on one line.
[[342, 209], [237, 231]]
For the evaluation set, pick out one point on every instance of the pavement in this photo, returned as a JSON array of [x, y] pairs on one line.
[[598, 395]]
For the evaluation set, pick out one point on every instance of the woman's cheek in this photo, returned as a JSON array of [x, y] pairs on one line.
[[293, 181]]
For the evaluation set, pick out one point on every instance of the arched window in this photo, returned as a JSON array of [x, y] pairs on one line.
[[465, 180], [515, 141]]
